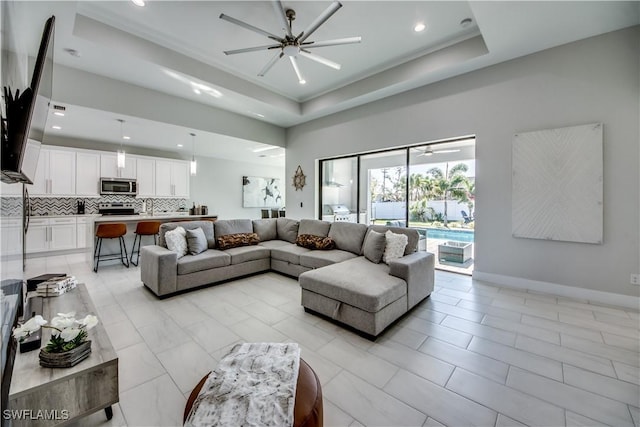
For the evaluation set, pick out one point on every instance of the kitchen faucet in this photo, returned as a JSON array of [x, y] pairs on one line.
[[149, 203]]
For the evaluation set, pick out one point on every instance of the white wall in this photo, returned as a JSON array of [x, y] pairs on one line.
[[218, 185], [594, 80]]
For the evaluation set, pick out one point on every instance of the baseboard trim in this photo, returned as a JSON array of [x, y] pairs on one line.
[[591, 295]]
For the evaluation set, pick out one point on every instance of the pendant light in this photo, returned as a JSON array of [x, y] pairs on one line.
[[194, 165], [121, 155]]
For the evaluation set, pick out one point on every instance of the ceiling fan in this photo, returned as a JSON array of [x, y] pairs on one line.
[[429, 152], [293, 45]]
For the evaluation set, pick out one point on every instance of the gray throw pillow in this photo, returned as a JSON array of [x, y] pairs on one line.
[[374, 245], [196, 241]]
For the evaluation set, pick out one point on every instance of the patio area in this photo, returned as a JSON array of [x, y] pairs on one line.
[[455, 267]]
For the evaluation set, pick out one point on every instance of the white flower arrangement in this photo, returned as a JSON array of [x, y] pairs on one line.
[[67, 332]]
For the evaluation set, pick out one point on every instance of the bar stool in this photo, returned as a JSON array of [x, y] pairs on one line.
[[110, 231], [144, 228]]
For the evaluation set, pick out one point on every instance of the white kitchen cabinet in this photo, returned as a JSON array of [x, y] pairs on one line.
[[109, 167], [55, 174], [87, 173], [37, 239], [63, 234], [172, 178], [11, 236], [146, 174], [51, 234]]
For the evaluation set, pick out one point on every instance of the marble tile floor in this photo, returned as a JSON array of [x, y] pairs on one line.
[[471, 354]]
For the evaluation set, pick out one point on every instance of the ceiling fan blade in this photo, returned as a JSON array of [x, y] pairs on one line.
[[333, 8], [282, 17], [294, 63], [335, 42], [270, 64], [250, 27], [320, 59], [251, 49]]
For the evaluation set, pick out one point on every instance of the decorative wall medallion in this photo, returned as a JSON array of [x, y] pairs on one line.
[[299, 179]]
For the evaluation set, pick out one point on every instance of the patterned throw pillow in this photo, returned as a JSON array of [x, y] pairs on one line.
[[395, 246], [235, 240], [310, 241], [177, 241]]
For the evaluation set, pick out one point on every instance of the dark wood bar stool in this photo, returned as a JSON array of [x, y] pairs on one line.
[[144, 228], [110, 231]]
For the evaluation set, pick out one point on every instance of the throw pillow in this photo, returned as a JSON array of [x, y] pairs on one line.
[[196, 241], [374, 246], [238, 239], [176, 241], [311, 241], [395, 246]]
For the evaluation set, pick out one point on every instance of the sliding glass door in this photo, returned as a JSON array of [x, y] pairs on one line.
[[429, 187]]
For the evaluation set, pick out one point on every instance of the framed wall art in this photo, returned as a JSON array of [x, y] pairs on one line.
[[557, 184], [261, 192]]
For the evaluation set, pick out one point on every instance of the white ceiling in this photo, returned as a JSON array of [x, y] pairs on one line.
[[175, 47]]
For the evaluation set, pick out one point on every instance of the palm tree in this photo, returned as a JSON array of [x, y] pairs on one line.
[[448, 182]]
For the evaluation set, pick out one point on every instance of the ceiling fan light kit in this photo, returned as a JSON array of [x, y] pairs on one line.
[[291, 45]]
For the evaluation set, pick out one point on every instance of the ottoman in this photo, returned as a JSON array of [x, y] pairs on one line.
[[307, 410]]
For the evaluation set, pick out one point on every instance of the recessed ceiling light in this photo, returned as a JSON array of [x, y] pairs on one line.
[[419, 27], [126, 137], [59, 113], [138, 2], [180, 145], [466, 22], [56, 127], [196, 91]]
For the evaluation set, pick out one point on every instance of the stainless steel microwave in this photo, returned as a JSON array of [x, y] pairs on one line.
[[122, 186]]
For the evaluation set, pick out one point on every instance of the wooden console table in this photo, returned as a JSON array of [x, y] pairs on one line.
[[48, 397]]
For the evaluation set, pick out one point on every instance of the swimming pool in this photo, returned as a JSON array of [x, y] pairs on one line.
[[443, 234]]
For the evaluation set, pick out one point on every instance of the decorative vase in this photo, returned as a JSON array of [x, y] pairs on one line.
[[65, 359]]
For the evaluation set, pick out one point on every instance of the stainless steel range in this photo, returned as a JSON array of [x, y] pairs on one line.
[[116, 208], [338, 212]]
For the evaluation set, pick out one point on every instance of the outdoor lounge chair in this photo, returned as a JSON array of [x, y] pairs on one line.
[[467, 218]]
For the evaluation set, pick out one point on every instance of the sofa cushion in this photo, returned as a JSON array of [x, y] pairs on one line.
[[196, 241], [357, 282], [265, 229], [348, 236], [314, 227], [287, 229], [232, 226], [247, 253], [211, 258], [272, 244], [374, 245], [394, 249], [311, 241], [227, 241], [290, 253], [317, 259], [177, 241], [411, 233], [207, 227]]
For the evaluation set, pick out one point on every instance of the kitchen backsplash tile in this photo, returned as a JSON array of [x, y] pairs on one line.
[[12, 206]]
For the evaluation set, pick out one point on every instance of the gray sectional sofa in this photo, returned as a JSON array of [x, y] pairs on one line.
[[339, 283]]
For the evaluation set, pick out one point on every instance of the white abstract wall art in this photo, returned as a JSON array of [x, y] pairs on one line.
[[260, 192], [557, 184]]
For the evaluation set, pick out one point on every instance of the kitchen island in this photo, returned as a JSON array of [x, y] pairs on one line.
[[111, 246]]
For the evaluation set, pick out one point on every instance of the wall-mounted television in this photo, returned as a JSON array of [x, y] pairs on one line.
[[25, 112]]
